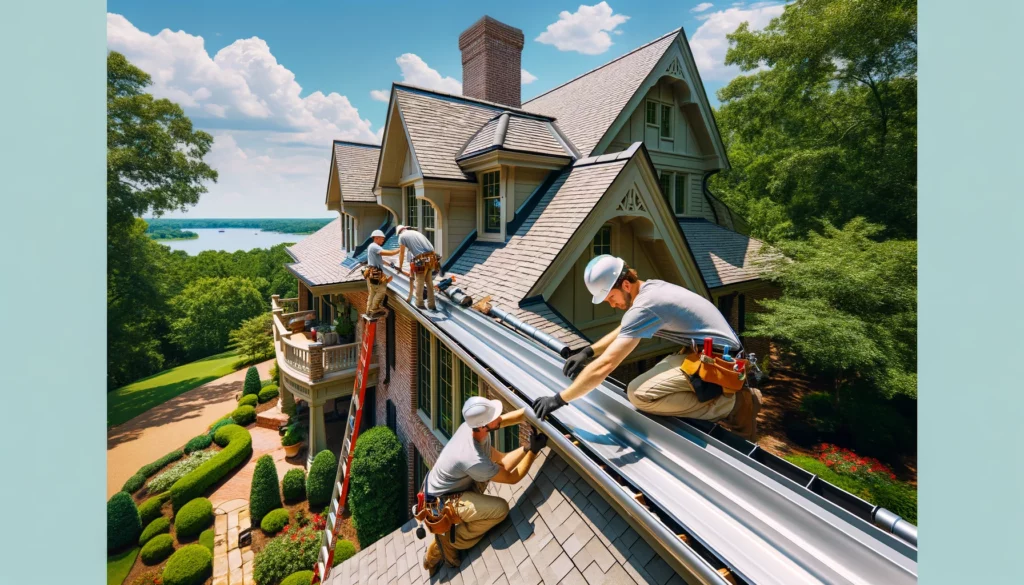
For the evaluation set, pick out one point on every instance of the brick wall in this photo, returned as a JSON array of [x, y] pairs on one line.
[[491, 57]]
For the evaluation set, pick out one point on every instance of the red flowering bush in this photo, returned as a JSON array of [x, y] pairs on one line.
[[847, 462], [296, 549]]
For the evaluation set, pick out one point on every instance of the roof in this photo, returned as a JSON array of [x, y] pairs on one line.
[[319, 257], [559, 530], [518, 133], [724, 257], [587, 106], [357, 165]]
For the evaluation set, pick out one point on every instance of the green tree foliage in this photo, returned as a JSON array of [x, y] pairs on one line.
[[254, 338], [265, 492], [377, 486], [208, 309], [252, 382], [282, 225], [828, 130]]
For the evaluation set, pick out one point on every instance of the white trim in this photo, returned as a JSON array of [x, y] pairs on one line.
[[481, 234]]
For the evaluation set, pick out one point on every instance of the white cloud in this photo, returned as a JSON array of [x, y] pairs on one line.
[[701, 7], [709, 44], [584, 31], [415, 71], [380, 95], [527, 77]]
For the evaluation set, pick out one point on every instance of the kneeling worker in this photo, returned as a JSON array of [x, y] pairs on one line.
[[376, 280], [674, 386], [460, 476], [422, 264]]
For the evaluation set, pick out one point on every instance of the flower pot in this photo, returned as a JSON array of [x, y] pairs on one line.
[[293, 450]]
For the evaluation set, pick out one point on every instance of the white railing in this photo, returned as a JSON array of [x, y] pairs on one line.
[[295, 356], [340, 357]]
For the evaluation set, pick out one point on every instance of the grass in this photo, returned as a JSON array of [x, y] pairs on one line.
[[897, 496], [136, 398], [120, 564]]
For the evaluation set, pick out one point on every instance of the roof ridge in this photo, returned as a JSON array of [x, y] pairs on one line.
[[598, 68], [502, 107], [354, 143]]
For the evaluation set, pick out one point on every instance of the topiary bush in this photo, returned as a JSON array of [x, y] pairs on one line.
[[193, 518], [252, 382], [158, 526], [165, 480], [189, 565], [244, 415], [320, 482], [274, 521], [377, 485], [198, 443], [248, 400], [296, 549], [343, 551], [136, 481], [206, 538], [157, 549], [268, 393], [300, 578], [150, 509], [123, 523], [220, 423], [237, 443], [293, 486], [265, 492]]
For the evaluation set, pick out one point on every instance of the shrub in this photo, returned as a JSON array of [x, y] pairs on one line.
[[244, 415], [252, 382], [265, 491], [148, 579], [165, 480], [295, 550], [320, 482], [237, 443], [123, 523], [293, 486], [268, 393], [274, 521], [206, 538], [300, 578], [158, 526], [189, 565], [220, 423], [275, 374], [150, 509], [293, 435], [193, 518], [157, 549], [248, 400], [136, 481], [198, 443], [343, 551], [896, 496], [377, 485]]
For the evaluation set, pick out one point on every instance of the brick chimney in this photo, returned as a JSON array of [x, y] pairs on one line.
[[491, 59]]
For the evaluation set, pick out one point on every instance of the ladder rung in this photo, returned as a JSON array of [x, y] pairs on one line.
[[323, 554], [355, 404], [323, 575], [328, 539], [338, 489], [331, 519]]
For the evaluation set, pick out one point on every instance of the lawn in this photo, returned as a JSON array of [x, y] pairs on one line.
[[119, 565], [897, 496], [132, 400]]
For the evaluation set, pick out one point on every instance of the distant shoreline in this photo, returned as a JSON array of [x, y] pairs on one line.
[[299, 226]]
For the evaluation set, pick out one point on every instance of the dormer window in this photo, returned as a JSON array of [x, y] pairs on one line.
[[411, 205], [659, 115], [491, 192]]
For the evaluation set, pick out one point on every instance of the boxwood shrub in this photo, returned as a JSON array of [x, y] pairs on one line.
[[293, 486], [189, 565], [377, 485], [274, 521], [193, 518], [265, 492], [320, 482], [206, 538], [165, 480], [343, 551], [136, 481], [248, 400], [198, 443], [237, 443], [220, 423], [252, 381], [268, 393], [300, 578], [157, 549], [158, 526], [244, 415], [123, 523], [150, 509]]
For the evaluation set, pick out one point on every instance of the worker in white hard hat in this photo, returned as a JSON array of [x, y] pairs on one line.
[[655, 308], [463, 469], [423, 263], [376, 279]]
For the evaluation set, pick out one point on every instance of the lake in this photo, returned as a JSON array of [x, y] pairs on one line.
[[230, 240]]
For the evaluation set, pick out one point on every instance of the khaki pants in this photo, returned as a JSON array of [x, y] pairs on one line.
[[418, 281], [665, 390], [479, 513], [374, 295]]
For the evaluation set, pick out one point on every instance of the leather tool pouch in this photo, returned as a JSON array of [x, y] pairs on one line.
[[711, 377]]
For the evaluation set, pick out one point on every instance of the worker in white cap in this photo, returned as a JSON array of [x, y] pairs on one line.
[[463, 469], [376, 279], [686, 383], [423, 263]]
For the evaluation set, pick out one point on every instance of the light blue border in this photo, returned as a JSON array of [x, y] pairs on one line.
[[52, 160]]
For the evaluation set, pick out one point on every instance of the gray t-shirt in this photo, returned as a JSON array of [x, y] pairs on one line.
[[373, 255], [415, 243], [462, 462], [665, 310]]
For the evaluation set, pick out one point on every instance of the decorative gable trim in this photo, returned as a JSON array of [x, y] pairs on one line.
[[632, 202], [675, 69]]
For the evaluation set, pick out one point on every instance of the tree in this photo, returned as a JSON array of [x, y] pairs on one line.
[[252, 383], [265, 492], [826, 125], [377, 485], [208, 309], [254, 339]]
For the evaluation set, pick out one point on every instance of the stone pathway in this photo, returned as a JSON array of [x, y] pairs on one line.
[[231, 565]]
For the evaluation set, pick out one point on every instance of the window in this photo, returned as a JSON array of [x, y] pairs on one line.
[[428, 222], [673, 185], [391, 416], [352, 238], [680, 194], [469, 383], [665, 181], [742, 320], [423, 371], [411, 217], [369, 408], [492, 202], [652, 113], [602, 241], [505, 439], [420, 469], [445, 391], [725, 307], [666, 121]]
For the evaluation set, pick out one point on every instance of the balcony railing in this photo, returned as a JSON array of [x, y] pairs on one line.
[[340, 357], [314, 360]]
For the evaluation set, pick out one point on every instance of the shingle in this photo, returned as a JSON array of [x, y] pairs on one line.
[[723, 256], [357, 168]]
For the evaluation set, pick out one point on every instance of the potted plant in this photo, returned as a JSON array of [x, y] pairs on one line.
[[344, 327], [292, 440]]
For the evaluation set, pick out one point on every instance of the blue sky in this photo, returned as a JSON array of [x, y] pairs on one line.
[[275, 82]]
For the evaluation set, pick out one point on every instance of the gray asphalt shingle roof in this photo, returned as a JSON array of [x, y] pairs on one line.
[[357, 167], [724, 257], [519, 133], [318, 258]]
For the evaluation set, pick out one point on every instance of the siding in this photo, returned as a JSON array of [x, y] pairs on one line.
[[461, 218], [527, 180]]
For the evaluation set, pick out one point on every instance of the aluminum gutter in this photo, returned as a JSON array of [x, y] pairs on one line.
[[765, 530]]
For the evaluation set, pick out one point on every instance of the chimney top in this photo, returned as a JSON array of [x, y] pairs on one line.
[[491, 62]]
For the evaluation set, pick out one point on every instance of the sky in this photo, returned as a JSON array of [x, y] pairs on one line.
[[275, 83]]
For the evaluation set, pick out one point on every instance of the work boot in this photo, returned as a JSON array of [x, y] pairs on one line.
[[432, 557], [743, 418], [432, 307]]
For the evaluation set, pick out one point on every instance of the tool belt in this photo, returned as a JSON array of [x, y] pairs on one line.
[[712, 376], [375, 275], [424, 262], [437, 513]]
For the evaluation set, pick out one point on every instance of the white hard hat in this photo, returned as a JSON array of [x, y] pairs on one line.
[[377, 234], [479, 411], [601, 275], [400, 228]]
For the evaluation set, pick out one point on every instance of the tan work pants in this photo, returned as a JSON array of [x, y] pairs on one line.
[[665, 390], [479, 513], [375, 295], [418, 280]]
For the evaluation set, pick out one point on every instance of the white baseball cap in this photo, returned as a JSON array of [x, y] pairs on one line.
[[400, 228], [479, 411], [377, 234]]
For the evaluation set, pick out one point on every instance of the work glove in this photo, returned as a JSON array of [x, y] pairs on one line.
[[545, 405], [537, 442], [575, 363]]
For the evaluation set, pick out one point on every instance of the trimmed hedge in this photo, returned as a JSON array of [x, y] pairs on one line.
[[343, 551], [293, 486], [189, 565], [248, 400], [150, 509], [136, 481], [220, 423], [300, 578], [274, 521], [265, 492], [237, 443], [206, 538], [268, 393], [252, 382], [158, 526], [157, 549], [198, 443], [377, 485], [163, 481], [244, 415], [123, 523], [320, 482], [193, 518]]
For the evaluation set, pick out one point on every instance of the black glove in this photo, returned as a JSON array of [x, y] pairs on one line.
[[537, 442], [575, 363], [545, 405]]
